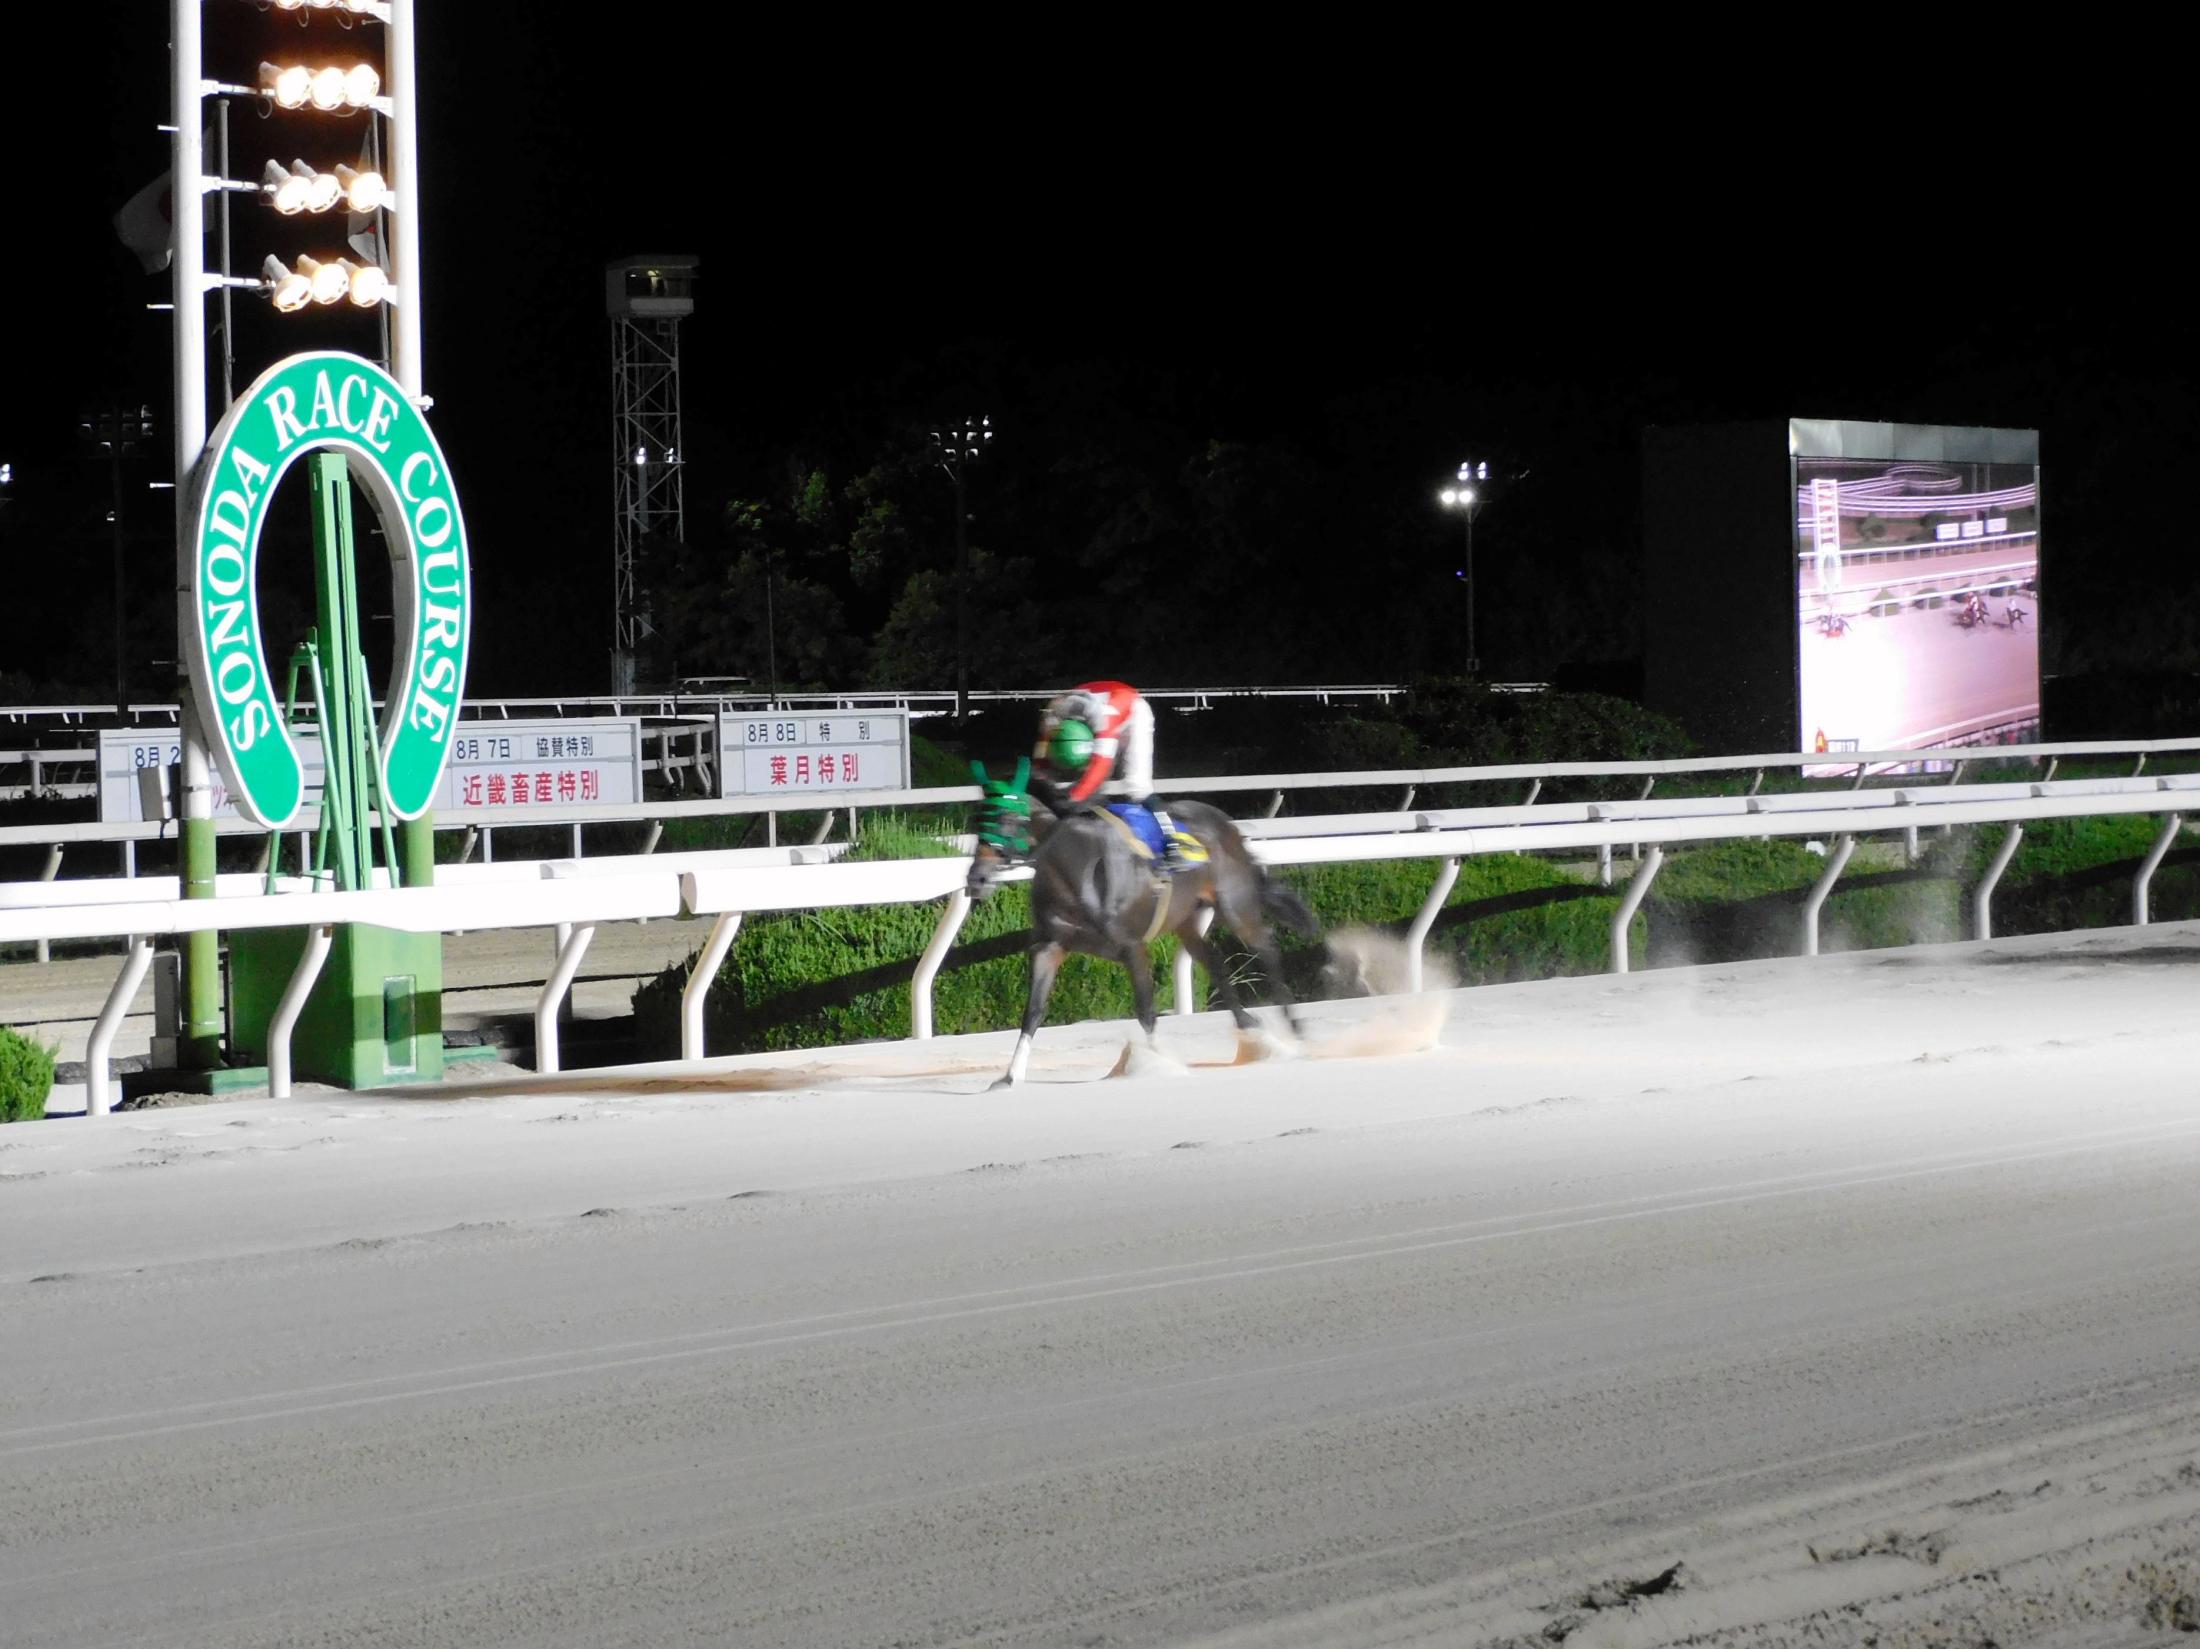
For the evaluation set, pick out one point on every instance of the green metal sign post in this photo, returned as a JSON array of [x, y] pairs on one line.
[[376, 1014]]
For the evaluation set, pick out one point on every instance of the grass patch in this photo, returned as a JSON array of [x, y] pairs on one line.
[[26, 1077]]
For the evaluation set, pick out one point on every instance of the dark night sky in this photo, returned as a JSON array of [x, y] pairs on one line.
[[1398, 269]]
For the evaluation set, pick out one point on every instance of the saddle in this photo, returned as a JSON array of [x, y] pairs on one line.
[[1143, 829]]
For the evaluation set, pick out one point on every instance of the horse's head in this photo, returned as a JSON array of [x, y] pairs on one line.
[[1004, 829]]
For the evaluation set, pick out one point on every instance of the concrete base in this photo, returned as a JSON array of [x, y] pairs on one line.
[[375, 1016]]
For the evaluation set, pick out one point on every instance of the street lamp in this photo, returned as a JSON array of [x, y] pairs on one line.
[[954, 449], [117, 431], [1466, 497]]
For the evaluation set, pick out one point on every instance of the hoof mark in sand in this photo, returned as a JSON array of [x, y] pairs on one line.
[[1609, 1594], [598, 1213], [741, 1195], [996, 1168], [1187, 1145], [1924, 1548], [1293, 1133], [56, 1277]]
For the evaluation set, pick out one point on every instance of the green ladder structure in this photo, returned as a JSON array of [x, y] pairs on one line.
[[375, 1015]]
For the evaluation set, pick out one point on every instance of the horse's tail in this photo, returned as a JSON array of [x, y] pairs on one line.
[[1281, 902]]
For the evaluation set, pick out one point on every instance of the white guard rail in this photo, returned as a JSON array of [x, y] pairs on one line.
[[578, 897], [484, 822]]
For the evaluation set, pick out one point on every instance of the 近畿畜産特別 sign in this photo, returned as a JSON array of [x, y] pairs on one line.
[[327, 399]]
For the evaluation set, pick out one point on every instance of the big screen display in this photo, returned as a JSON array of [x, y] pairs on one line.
[[1917, 602]]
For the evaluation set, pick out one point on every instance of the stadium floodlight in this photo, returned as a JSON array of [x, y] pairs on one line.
[[366, 284], [289, 289], [363, 191], [286, 187], [290, 86], [328, 88], [325, 282], [362, 81]]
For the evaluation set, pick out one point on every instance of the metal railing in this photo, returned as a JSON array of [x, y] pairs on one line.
[[1852, 767], [918, 701], [577, 898]]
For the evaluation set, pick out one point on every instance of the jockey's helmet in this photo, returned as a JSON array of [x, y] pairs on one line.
[[1071, 747]]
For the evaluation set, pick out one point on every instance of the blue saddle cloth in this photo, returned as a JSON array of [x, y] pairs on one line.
[[1142, 822]]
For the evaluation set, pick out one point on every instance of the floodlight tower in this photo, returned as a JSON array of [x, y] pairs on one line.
[[646, 298], [341, 89], [1466, 497]]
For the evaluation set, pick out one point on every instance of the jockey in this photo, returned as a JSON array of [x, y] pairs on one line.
[[1101, 735]]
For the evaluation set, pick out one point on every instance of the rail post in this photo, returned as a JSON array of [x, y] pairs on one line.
[[318, 940], [554, 992], [1982, 901], [2150, 864], [98, 1080], [1631, 901], [928, 965], [1180, 973], [697, 989], [1425, 918], [1836, 862]]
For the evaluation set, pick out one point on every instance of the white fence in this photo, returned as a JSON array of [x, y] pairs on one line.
[[579, 896]]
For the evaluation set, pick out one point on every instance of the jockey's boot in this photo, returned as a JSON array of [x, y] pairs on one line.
[[1178, 851]]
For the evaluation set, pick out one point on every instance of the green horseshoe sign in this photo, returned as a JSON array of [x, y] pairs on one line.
[[328, 399]]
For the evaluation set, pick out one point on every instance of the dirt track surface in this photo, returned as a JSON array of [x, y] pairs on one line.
[[1862, 1291]]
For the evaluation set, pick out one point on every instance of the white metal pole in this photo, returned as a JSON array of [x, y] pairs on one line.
[[186, 187], [553, 994], [692, 997], [1837, 862], [1630, 902], [1425, 918], [53, 868], [98, 1083], [404, 134], [928, 965], [2153, 862], [1982, 902], [1181, 973], [318, 940]]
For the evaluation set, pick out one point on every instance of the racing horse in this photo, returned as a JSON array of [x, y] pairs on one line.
[[1094, 890]]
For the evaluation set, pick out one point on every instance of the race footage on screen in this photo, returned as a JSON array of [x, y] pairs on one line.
[[1917, 596]]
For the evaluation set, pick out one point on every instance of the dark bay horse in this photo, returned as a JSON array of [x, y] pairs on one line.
[[1094, 891]]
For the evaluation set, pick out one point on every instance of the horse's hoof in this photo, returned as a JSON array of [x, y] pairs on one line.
[[1257, 1045], [1000, 1082], [1143, 1059]]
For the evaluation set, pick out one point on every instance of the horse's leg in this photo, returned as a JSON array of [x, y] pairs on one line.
[[1203, 952], [1241, 913], [1046, 962], [1139, 960]]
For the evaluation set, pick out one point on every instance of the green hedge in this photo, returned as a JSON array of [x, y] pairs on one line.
[[26, 1077], [2076, 873]]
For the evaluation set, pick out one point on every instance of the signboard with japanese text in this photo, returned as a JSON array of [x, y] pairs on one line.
[[125, 750], [554, 762], [788, 752], [492, 765]]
